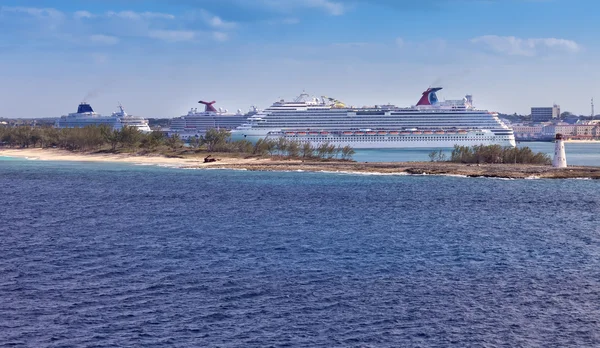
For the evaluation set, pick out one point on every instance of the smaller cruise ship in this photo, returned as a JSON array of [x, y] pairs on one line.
[[196, 123], [127, 120], [86, 116]]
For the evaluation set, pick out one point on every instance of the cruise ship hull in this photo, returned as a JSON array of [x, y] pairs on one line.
[[429, 124], [389, 141]]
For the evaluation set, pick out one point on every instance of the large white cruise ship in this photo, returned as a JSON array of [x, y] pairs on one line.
[[86, 116], [429, 124], [196, 123]]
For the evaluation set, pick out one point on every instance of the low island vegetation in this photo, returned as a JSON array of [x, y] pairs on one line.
[[103, 139], [491, 154]]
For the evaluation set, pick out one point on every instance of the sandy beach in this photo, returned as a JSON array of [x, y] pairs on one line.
[[64, 155], [512, 171]]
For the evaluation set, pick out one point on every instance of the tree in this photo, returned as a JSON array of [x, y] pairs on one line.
[[22, 136], [347, 152], [130, 136], [271, 146], [195, 142], [307, 150], [323, 150], [432, 155], [242, 146], [293, 149], [152, 140], [261, 147], [497, 154], [174, 142], [281, 145], [215, 139], [111, 136]]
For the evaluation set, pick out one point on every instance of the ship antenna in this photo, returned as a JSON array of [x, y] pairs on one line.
[[593, 108]]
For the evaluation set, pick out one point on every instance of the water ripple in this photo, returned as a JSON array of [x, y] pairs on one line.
[[114, 255]]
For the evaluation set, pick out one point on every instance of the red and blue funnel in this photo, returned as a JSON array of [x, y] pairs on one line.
[[429, 97]]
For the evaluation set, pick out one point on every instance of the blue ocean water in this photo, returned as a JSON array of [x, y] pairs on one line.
[[107, 255], [585, 154]]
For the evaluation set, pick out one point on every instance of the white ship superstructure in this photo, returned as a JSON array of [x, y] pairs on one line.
[[429, 124], [86, 116], [126, 120], [196, 123]]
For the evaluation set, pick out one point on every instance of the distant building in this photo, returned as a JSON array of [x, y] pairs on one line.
[[545, 114], [527, 132], [562, 128], [576, 131]]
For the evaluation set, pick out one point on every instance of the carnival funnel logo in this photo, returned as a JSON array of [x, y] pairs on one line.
[[429, 97]]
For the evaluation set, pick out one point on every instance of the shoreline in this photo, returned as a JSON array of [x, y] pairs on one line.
[[506, 171]]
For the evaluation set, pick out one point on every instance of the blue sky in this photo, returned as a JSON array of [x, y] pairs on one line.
[[158, 58]]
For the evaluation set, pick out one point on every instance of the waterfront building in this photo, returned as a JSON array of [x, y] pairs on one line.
[[527, 132], [562, 128], [585, 130], [545, 114]]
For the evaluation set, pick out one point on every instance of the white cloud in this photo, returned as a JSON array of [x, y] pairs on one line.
[[290, 20], [139, 15], [33, 11], [172, 35], [220, 36], [281, 21], [99, 58], [334, 8], [104, 39], [216, 21], [529, 47], [82, 14], [400, 42]]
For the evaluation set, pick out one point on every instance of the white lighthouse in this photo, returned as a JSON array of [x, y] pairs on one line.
[[560, 158]]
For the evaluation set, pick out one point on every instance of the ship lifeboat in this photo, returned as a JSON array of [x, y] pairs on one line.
[[313, 133], [324, 133], [461, 131], [417, 132], [347, 133], [439, 132], [394, 133], [290, 133], [427, 132], [359, 133], [382, 133], [371, 133], [301, 133]]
